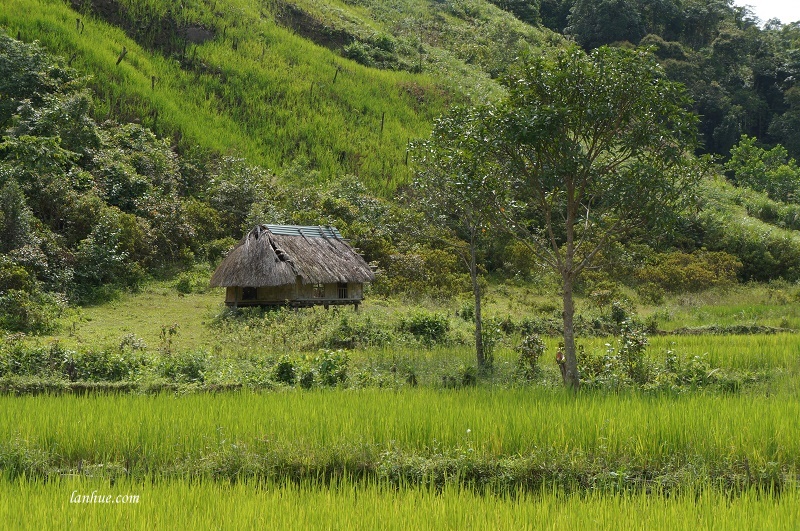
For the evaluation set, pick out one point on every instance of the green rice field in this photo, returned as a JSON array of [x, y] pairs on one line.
[[374, 451], [30, 504], [365, 459]]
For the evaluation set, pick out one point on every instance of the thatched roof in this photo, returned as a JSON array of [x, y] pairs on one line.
[[275, 255]]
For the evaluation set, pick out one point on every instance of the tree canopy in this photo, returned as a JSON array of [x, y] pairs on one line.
[[590, 146]]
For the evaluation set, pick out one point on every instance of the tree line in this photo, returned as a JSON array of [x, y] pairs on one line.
[[740, 72]]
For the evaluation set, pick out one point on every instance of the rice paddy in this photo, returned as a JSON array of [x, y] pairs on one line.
[[500, 454], [30, 504]]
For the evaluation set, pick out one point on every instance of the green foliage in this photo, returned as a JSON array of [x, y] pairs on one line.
[[285, 371], [530, 350], [112, 253], [627, 365], [594, 23], [770, 171], [428, 327], [27, 72], [16, 219], [194, 281], [579, 127], [461, 376], [437, 273], [632, 346], [184, 367], [107, 365], [22, 311], [13, 276], [766, 251], [679, 272], [306, 378], [331, 367]]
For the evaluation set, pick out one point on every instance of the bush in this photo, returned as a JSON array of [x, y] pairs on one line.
[[463, 376], [192, 282], [352, 333], [633, 343], [285, 371], [109, 365], [491, 334], [697, 271], [619, 367], [306, 379], [332, 367], [427, 327], [189, 367], [530, 350], [17, 360], [435, 272], [35, 313]]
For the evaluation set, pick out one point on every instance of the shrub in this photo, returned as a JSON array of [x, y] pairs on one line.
[[463, 376], [192, 282], [108, 365], [353, 333], [16, 359], [491, 333], [332, 367], [189, 367], [651, 292], [467, 312], [21, 311], [633, 343], [427, 327], [435, 272], [697, 271], [306, 379], [285, 371], [530, 350]]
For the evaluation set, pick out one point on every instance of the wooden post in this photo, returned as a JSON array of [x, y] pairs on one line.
[[122, 55], [383, 117]]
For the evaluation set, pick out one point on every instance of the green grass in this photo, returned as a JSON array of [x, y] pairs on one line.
[[377, 506], [255, 101], [708, 438], [496, 455], [260, 91]]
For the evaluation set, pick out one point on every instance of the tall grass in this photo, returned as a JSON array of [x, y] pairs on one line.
[[32, 504], [152, 433], [270, 98]]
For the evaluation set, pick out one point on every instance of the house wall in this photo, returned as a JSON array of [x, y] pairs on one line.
[[298, 292], [277, 293]]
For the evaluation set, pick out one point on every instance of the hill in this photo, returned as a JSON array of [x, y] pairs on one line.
[[281, 83], [140, 138]]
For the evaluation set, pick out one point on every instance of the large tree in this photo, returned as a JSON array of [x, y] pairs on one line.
[[591, 146], [456, 187]]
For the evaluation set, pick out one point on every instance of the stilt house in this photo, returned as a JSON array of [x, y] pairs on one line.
[[290, 265]]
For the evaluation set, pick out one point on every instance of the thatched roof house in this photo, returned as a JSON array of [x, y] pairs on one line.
[[293, 265]]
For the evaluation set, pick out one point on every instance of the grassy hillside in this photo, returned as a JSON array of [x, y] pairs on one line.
[[258, 89]]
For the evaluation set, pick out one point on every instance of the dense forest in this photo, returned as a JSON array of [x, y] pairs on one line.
[[139, 139]]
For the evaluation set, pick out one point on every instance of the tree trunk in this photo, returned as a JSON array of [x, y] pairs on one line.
[[571, 379], [568, 275], [476, 290]]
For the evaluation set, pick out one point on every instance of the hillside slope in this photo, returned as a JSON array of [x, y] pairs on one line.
[[241, 77]]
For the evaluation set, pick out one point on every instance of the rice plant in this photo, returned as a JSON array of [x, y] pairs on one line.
[[67, 503]]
